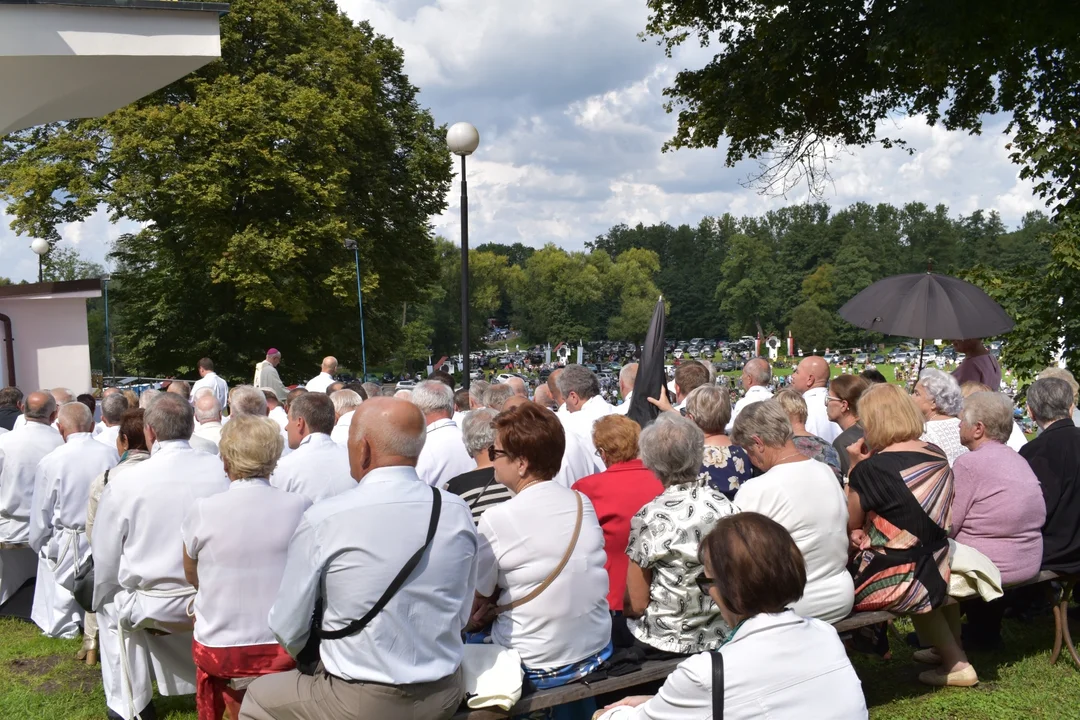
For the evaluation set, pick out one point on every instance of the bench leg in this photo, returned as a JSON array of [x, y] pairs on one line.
[[1061, 624]]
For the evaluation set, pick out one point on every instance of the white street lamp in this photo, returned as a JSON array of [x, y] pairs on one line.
[[463, 140], [41, 247]]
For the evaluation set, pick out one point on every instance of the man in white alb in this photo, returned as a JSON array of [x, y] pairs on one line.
[[210, 379], [20, 452], [139, 581], [100, 426], [207, 418], [318, 467], [320, 382], [275, 410], [756, 375], [266, 374], [112, 409], [580, 390], [444, 456], [345, 404], [58, 519], [811, 379], [627, 378], [407, 662]]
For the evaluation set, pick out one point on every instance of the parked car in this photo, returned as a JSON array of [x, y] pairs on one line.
[[879, 359], [406, 385]]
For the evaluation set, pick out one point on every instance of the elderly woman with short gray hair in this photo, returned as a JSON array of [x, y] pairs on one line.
[[725, 465], [939, 398], [478, 487], [801, 494], [667, 612]]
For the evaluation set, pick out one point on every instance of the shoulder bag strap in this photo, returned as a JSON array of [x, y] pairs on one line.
[[558, 568], [717, 685], [106, 480], [357, 625]]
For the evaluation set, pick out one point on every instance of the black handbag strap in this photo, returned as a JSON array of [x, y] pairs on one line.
[[357, 625], [717, 685]]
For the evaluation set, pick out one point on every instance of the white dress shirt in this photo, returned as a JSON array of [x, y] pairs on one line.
[[581, 422], [213, 381], [817, 415], [521, 541], [576, 461], [805, 498], [209, 431], [340, 433], [444, 456], [279, 416], [775, 666], [353, 547], [198, 442], [624, 408], [320, 382], [755, 393], [99, 426], [1017, 439], [61, 492], [20, 452], [317, 469], [240, 538], [136, 531], [108, 436]]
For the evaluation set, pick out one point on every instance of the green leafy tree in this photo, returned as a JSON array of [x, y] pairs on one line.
[[746, 293], [812, 327], [558, 296], [631, 279], [247, 176], [62, 264]]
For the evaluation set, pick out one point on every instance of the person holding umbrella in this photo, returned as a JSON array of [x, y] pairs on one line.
[[978, 364]]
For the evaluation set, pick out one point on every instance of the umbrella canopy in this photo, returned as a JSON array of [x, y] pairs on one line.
[[926, 305], [650, 377]]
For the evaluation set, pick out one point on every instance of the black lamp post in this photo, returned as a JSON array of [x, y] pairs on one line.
[[463, 140]]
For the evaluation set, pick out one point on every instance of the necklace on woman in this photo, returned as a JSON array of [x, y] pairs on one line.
[[531, 482], [794, 454]]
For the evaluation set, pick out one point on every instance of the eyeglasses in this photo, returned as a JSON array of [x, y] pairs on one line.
[[830, 398], [704, 583], [494, 454], [599, 452]]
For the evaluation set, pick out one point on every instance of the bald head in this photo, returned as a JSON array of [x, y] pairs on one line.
[[812, 372], [542, 397], [109, 391], [553, 386], [756, 372], [63, 396], [385, 432], [207, 408], [329, 365], [74, 418], [513, 401], [518, 386], [40, 407]]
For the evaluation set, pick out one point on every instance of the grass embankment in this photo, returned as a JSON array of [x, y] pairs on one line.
[[40, 680]]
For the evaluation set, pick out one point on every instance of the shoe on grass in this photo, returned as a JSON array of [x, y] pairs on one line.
[[928, 656], [958, 678]]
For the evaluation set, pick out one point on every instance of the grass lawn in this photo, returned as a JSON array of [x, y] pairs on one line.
[[40, 680]]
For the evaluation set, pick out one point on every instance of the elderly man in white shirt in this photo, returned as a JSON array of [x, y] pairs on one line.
[[139, 580], [20, 452], [580, 390], [345, 404], [210, 379], [346, 553], [811, 380], [627, 378], [318, 467], [444, 456], [320, 382], [58, 519], [275, 410], [62, 396], [112, 409], [756, 375], [207, 418]]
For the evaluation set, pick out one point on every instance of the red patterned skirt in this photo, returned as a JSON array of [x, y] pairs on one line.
[[216, 666]]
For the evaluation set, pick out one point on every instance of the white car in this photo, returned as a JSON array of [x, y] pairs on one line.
[[405, 385], [504, 377]]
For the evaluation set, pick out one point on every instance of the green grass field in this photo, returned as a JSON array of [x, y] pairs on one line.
[[40, 680]]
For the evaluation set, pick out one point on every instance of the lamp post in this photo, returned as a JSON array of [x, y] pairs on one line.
[[355, 247], [463, 140], [41, 247], [108, 336]]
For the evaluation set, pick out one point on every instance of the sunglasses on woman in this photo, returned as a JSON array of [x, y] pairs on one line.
[[704, 582], [494, 454]]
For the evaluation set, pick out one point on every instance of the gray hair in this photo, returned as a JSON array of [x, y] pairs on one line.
[[146, 399], [1062, 374], [207, 408], [317, 410], [372, 389], [113, 407], [76, 417], [171, 417], [758, 370], [497, 395], [403, 394], [433, 396], [478, 430], [672, 447], [345, 400], [628, 374], [181, 388], [764, 420], [44, 412], [62, 395], [943, 390], [710, 408], [248, 400], [993, 410], [477, 388], [1049, 400], [578, 379]]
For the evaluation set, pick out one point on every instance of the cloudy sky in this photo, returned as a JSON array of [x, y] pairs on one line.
[[568, 102]]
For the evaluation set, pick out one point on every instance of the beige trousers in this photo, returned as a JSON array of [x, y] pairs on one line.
[[293, 696]]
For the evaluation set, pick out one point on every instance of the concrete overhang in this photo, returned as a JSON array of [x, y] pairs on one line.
[[67, 59]]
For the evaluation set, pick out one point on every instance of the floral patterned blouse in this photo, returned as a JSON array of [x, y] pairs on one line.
[[725, 468], [664, 538]]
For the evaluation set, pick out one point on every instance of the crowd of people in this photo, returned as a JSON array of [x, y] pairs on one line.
[[329, 552]]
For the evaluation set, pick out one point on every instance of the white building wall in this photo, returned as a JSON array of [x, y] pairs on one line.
[[52, 345]]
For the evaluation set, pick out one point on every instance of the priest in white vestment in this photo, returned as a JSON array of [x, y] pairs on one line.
[[139, 581], [318, 467], [58, 519], [444, 456], [20, 452], [266, 374], [580, 389]]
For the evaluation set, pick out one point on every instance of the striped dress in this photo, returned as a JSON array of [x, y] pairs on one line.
[[907, 497]]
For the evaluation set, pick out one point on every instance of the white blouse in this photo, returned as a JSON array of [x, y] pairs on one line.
[[946, 435]]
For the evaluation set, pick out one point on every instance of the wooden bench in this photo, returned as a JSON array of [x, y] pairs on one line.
[[655, 670]]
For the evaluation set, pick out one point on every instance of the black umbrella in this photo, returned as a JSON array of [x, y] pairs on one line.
[[651, 376], [926, 305]]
